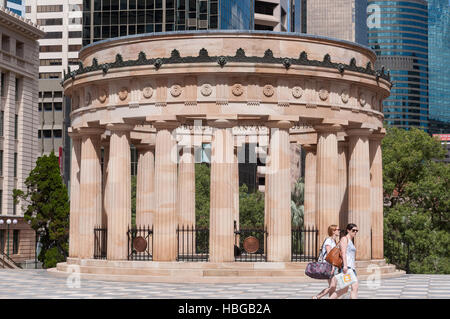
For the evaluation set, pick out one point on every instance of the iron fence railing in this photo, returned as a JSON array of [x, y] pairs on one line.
[[304, 244], [192, 243], [100, 242], [140, 243], [250, 244]]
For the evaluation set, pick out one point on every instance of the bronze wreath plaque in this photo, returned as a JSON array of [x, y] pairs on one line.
[[140, 244], [251, 244]]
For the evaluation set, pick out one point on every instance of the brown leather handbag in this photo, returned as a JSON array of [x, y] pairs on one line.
[[334, 257]]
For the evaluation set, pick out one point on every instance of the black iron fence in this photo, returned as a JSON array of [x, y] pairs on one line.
[[250, 244], [100, 242], [140, 243], [304, 244], [192, 243]]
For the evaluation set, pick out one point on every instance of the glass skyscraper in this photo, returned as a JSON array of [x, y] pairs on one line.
[[103, 19], [439, 59], [16, 6], [401, 44]]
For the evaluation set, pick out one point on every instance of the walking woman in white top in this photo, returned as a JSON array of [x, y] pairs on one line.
[[329, 244], [348, 253]]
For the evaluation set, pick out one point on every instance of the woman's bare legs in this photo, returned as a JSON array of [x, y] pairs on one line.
[[323, 292], [354, 292], [339, 293]]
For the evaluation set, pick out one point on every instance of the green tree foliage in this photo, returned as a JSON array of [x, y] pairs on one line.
[[202, 173], [133, 200], [417, 210], [46, 206], [297, 203], [251, 209]]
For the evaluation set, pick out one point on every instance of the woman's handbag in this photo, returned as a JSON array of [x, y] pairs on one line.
[[319, 269], [334, 257], [344, 280]]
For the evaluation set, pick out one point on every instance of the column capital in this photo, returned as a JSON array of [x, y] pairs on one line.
[[359, 132], [378, 135], [324, 128], [119, 127], [222, 123], [310, 147], [73, 133], [165, 124], [282, 124], [86, 131]]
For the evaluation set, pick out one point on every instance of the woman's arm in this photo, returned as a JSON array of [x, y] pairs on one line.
[[344, 243]]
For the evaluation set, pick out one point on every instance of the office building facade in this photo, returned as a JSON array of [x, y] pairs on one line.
[[401, 43], [273, 15], [438, 59], [341, 19], [18, 126], [104, 19], [58, 51], [15, 6]]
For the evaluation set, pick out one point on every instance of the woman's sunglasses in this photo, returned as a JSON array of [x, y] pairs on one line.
[[354, 230]]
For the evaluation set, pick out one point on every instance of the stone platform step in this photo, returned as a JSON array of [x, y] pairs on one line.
[[205, 272]]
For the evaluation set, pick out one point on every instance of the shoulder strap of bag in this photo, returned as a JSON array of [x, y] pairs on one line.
[[321, 251]]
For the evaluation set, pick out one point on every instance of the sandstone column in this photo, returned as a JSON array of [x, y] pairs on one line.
[[343, 192], [235, 186], [165, 219], [278, 194], [145, 185], [310, 196], [186, 199], [105, 178], [327, 182], [90, 205], [376, 195], [221, 233], [119, 191], [74, 238], [359, 208]]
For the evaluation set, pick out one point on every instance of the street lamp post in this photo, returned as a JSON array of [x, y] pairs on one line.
[[3, 243], [8, 222]]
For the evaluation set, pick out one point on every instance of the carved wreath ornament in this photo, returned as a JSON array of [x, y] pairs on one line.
[[237, 89], [102, 96], [175, 90], [345, 96], [147, 92], [123, 93], [268, 90], [362, 99], [297, 92], [323, 94], [206, 90]]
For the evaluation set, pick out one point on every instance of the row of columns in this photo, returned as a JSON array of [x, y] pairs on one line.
[[344, 184], [166, 190]]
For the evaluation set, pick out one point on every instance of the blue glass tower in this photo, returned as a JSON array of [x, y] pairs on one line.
[[16, 6], [400, 40], [439, 59]]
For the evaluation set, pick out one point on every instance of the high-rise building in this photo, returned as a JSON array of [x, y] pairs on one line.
[[58, 51], [399, 37], [18, 126], [341, 19], [438, 59], [103, 19], [15, 6], [273, 15]]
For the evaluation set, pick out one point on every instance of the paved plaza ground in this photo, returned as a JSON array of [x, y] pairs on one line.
[[31, 284]]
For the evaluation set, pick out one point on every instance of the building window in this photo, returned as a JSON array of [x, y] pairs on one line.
[[2, 240], [72, 61], [1, 164], [28, 9], [15, 165], [16, 126], [3, 84], [15, 247], [47, 133], [2, 115], [18, 90], [50, 75], [53, 35], [50, 48], [50, 8], [47, 62], [74, 47], [57, 106], [75, 34], [44, 22], [19, 49], [57, 133], [5, 43]]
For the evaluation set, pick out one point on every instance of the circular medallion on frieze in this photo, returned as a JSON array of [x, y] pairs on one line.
[[345, 96], [251, 244], [362, 99], [140, 244], [175, 90], [147, 92], [123, 93], [206, 89], [102, 96], [268, 90], [237, 89], [297, 92], [323, 94]]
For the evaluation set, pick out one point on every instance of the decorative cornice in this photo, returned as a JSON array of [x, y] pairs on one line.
[[222, 61]]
